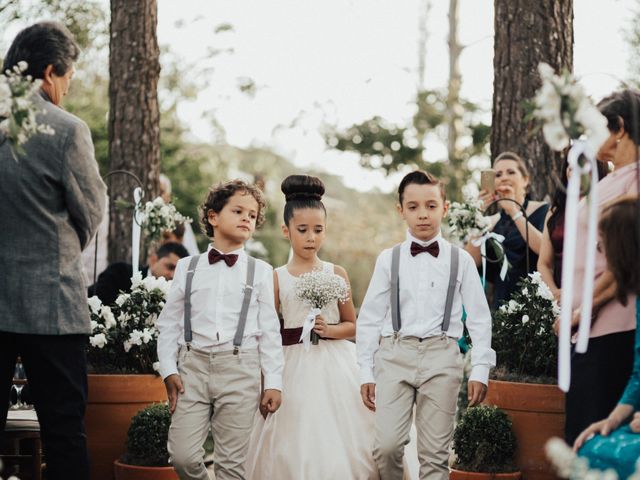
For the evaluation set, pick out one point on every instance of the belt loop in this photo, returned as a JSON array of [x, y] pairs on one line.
[[188, 346]]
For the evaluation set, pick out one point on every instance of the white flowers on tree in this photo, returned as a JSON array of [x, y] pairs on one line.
[[158, 216], [17, 111], [318, 289], [566, 112], [124, 335]]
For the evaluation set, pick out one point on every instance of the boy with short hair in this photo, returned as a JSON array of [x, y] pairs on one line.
[[218, 327], [407, 330]]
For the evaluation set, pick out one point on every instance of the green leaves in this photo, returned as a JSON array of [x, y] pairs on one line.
[[147, 437]]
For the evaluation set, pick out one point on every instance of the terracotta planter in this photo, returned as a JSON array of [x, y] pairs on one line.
[[461, 475], [123, 471], [537, 413], [113, 401]]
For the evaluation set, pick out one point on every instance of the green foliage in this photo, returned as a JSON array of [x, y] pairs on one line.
[[484, 441], [147, 437], [523, 336]]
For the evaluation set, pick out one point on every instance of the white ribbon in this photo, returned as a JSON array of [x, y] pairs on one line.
[[307, 327], [482, 243], [568, 259], [135, 230]]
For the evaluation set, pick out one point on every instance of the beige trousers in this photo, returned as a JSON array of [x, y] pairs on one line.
[[427, 373], [221, 390]]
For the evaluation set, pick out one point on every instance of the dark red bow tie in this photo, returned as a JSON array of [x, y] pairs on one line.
[[432, 248], [229, 258]]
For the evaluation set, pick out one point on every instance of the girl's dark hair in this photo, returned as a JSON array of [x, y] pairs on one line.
[[559, 201], [42, 44], [301, 191], [620, 234], [623, 105], [219, 196]]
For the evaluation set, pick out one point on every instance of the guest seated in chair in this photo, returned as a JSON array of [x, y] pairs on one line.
[[117, 276]]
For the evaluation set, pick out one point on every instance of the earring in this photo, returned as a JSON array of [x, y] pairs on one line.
[[617, 141]]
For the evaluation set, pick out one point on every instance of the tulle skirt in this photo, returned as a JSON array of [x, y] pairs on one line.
[[322, 430]]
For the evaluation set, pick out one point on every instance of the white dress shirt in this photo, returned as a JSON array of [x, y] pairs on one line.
[[424, 280], [217, 292]]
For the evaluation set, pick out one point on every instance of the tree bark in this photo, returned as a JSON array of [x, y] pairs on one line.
[[527, 33], [134, 117]]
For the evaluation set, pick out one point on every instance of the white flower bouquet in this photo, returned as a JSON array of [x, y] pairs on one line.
[[318, 289], [466, 220], [566, 112], [124, 335], [17, 111], [523, 335], [158, 216]]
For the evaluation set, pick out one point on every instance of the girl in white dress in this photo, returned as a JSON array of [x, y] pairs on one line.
[[322, 430]]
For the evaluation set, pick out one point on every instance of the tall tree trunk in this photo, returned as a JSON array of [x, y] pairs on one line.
[[134, 118], [527, 33], [454, 109]]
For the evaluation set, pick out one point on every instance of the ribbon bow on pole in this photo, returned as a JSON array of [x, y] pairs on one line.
[[569, 256], [482, 243], [138, 217]]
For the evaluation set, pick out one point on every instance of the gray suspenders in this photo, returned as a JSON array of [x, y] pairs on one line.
[[246, 301], [395, 289]]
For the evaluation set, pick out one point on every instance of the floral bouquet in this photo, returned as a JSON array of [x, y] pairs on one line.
[[523, 335], [158, 216], [467, 220], [17, 112], [318, 289], [565, 111], [124, 336]]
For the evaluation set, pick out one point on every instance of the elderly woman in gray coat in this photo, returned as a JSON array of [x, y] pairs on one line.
[[51, 203]]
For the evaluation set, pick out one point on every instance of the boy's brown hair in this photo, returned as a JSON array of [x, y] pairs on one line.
[[219, 196], [621, 238], [420, 177]]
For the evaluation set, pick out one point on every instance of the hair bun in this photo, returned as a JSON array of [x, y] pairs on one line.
[[302, 187]]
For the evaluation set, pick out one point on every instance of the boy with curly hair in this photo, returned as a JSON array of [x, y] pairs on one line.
[[218, 330]]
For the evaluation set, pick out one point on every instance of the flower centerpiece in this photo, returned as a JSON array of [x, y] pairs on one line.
[[124, 335], [17, 111], [158, 216], [523, 335], [318, 289]]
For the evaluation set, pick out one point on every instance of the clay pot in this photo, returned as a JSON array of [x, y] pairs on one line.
[[113, 401], [461, 475], [123, 471], [537, 413]]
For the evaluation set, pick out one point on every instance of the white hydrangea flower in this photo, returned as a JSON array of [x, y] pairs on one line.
[[156, 366], [135, 337], [107, 315], [94, 304], [136, 280], [121, 299], [98, 340], [147, 335], [126, 345], [525, 319]]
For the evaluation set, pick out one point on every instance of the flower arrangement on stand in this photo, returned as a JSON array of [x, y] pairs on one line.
[[159, 216], [17, 111], [318, 289]]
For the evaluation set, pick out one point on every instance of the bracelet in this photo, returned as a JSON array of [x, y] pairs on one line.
[[517, 216]]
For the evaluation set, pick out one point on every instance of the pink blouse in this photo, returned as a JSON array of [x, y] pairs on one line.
[[613, 317]]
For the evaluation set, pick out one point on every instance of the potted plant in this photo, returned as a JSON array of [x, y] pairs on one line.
[[524, 385], [123, 362], [485, 445], [146, 457]]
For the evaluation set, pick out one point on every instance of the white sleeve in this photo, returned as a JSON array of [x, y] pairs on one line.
[[170, 322], [478, 322], [270, 342], [374, 309]]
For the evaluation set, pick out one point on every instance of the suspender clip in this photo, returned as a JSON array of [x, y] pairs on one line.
[[236, 350], [188, 347]]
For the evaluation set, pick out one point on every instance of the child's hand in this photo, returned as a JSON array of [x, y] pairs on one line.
[[368, 394], [321, 327], [476, 392], [271, 400], [173, 384]]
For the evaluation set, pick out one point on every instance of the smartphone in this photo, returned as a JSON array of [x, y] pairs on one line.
[[488, 181]]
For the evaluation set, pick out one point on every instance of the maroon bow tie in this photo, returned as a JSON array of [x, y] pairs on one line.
[[432, 248], [229, 258]]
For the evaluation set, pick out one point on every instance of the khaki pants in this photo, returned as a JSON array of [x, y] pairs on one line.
[[427, 373], [221, 390]]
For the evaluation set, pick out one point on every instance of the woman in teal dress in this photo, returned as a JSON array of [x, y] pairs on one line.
[[615, 441]]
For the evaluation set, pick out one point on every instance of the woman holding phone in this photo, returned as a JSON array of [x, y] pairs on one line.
[[511, 183]]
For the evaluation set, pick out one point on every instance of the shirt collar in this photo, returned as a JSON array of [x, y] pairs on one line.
[[238, 251], [411, 238]]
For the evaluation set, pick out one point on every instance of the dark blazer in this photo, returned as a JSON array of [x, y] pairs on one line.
[[115, 279], [51, 203]]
